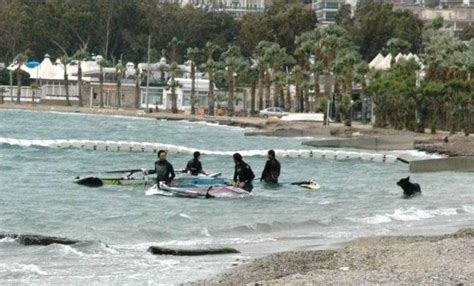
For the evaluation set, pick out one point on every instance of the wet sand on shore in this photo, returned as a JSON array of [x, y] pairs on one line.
[[377, 260]]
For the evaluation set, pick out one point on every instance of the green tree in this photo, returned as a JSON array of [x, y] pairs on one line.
[[212, 68]]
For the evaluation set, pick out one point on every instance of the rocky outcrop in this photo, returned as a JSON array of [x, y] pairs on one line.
[[32, 239]]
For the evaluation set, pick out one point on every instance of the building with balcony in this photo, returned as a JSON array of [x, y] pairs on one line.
[[326, 10]]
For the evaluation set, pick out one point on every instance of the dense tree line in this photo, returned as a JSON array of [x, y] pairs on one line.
[[266, 53]]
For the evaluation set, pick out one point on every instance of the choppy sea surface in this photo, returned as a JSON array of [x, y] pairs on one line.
[[118, 224]]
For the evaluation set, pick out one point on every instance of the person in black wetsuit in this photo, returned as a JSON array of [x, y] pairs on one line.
[[243, 174], [163, 169], [271, 172], [194, 166]]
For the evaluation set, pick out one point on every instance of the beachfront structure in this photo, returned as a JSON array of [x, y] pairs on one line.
[[161, 98], [49, 79], [455, 17]]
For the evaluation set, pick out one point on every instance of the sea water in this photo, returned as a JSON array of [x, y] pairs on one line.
[[118, 224]]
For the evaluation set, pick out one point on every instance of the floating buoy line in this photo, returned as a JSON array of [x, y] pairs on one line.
[[130, 146]]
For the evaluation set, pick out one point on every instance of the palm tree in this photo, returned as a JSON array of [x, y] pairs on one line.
[[102, 63], [79, 56], [65, 60], [234, 64], [298, 78], [119, 71], [138, 80], [34, 88], [193, 56], [20, 59], [264, 75], [173, 84]]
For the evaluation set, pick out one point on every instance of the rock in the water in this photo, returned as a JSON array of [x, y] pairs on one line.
[[157, 250], [31, 239]]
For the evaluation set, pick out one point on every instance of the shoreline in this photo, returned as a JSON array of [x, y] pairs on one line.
[[358, 136], [408, 260]]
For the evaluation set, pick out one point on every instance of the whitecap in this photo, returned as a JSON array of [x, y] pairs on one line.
[[468, 209], [185, 216], [410, 214], [21, 268]]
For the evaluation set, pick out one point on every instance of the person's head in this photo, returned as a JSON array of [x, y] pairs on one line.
[[237, 158], [162, 155], [196, 155], [271, 154]]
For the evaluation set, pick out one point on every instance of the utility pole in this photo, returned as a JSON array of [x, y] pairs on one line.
[[148, 73]]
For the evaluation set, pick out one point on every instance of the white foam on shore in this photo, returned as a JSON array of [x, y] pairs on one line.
[[6, 268], [402, 214]]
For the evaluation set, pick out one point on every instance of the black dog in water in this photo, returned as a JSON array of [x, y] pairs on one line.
[[409, 189]]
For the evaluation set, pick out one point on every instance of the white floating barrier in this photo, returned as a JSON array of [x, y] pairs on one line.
[[77, 144], [331, 155], [136, 146], [379, 158], [342, 155], [112, 146], [367, 156], [353, 155], [305, 154], [89, 145], [149, 147], [101, 145], [125, 146], [318, 154], [390, 159], [292, 153]]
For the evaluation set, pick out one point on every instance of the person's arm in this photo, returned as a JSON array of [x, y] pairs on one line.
[[278, 168], [264, 172], [171, 170], [200, 169], [151, 171], [187, 169], [251, 174], [235, 175]]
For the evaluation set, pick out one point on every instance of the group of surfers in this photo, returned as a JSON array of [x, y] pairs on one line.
[[243, 174]]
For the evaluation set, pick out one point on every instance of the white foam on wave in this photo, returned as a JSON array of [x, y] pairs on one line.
[[7, 240], [416, 154], [410, 214], [66, 250], [132, 117], [218, 241], [21, 269], [185, 216], [468, 209], [213, 124]]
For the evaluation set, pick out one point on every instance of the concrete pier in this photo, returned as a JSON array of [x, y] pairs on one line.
[[459, 164]]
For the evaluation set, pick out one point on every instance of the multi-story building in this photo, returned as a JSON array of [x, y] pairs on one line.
[[326, 10]]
